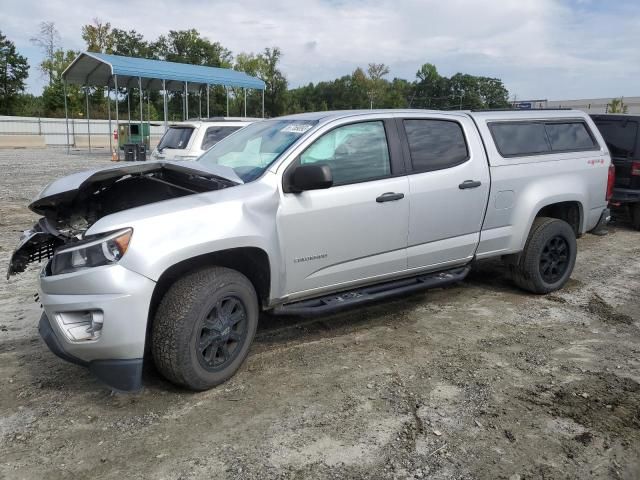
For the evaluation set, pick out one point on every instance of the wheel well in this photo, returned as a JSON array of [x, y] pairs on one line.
[[570, 212], [252, 262]]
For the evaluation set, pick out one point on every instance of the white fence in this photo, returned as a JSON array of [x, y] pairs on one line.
[[17, 132]]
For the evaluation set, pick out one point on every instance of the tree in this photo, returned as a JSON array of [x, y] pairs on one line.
[[48, 40], [52, 95], [617, 106], [97, 36], [376, 81], [275, 81], [14, 70], [187, 46], [130, 44]]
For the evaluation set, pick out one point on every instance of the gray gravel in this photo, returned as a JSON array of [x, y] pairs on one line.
[[479, 380]]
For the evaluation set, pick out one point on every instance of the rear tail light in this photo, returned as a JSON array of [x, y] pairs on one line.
[[610, 181], [635, 169]]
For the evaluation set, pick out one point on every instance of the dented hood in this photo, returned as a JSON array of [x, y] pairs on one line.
[[65, 188]]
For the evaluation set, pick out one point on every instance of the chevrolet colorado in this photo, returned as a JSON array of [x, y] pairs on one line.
[[303, 214]]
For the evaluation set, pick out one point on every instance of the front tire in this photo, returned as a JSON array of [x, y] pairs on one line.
[[548, 258], [204, 327]]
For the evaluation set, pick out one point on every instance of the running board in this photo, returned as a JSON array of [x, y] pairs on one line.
[[335, 302]]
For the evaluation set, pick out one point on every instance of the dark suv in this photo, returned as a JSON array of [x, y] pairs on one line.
[[621, 134]]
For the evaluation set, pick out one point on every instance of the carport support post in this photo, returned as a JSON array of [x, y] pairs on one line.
[[227, 92], [186, 100], [245, 101], [109, 116], [128, 113], [165, 104], [66, 112], [200, 103], [115, 79], [263, 103], [140, 129], [86, 94], [208, 116]]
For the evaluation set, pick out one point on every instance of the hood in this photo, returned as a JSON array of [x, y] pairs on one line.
[[65, 189]]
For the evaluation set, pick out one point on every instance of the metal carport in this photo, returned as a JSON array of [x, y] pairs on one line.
[[114, 71]]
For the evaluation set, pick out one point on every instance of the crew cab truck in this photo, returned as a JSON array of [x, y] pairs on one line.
[[303, 214]]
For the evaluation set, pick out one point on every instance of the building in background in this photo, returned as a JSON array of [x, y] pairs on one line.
[[588, 105]]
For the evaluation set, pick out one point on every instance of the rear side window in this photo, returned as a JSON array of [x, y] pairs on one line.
[[520, 138], [620, 136], [176, 137], [569, 136], [515, 139], [435, 144], [214, 134]]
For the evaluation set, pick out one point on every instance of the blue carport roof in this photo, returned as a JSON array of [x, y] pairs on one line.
[[100, 69]]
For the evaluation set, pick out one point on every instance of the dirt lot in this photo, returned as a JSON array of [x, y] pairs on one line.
[[475, 381]]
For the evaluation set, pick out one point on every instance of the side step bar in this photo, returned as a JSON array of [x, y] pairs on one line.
[[335, 302]]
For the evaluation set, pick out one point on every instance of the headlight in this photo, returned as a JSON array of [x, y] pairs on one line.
[[92, 252]]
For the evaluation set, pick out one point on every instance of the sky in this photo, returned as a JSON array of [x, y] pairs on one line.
[[541, 49]]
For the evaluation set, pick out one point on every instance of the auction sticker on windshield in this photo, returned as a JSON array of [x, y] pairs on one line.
[[296, 128]]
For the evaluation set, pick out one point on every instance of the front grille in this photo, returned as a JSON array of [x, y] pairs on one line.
[[44, 251]]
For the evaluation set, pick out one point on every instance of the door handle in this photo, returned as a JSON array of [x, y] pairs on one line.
[[389, 197], [469, 184]]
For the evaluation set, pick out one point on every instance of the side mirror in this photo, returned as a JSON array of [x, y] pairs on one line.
[[311, 177]]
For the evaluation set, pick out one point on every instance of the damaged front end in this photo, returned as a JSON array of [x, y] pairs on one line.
[[72, 204]]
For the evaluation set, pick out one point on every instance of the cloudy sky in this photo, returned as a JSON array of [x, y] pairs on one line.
[[554, 49]]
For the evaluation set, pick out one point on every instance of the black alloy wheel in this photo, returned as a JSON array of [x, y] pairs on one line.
[[222, 334], [554, 259]]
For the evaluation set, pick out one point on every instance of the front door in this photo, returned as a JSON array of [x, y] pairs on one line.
[[355, 231]]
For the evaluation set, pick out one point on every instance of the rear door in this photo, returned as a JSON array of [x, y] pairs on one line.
[[621, 136], [448, 188]]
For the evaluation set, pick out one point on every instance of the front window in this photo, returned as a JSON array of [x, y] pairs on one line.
[[252, 149], [355, 153]]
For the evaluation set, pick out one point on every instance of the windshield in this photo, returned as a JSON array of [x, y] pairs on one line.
[[176, 137], [251, 150]]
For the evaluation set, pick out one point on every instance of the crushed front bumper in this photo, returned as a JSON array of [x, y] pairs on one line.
[[122, 298]]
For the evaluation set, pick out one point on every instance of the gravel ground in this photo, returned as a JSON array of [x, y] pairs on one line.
[[479, 380]]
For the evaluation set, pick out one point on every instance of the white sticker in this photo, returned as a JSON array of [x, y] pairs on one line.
[[296, 128]]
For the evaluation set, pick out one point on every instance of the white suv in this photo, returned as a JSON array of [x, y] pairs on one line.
[[188, 140]]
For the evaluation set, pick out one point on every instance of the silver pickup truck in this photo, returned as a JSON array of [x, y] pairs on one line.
[[299, 215]]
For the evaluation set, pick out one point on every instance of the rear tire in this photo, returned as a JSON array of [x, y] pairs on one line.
[[548, 258], [204, 327], [634, 210]]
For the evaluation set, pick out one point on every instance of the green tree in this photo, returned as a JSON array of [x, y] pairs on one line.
[[48, 40], [187, 46], [52, 95], [98, 36], [275, 81], [14, 70], [616, 105], [377, 84], [130, 44]]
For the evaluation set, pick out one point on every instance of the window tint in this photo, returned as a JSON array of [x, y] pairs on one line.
[[520, 138], [176, 137], [214, 134], [620, 136], [569, 136], [531, 138], [435, 144], [355, 152]]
